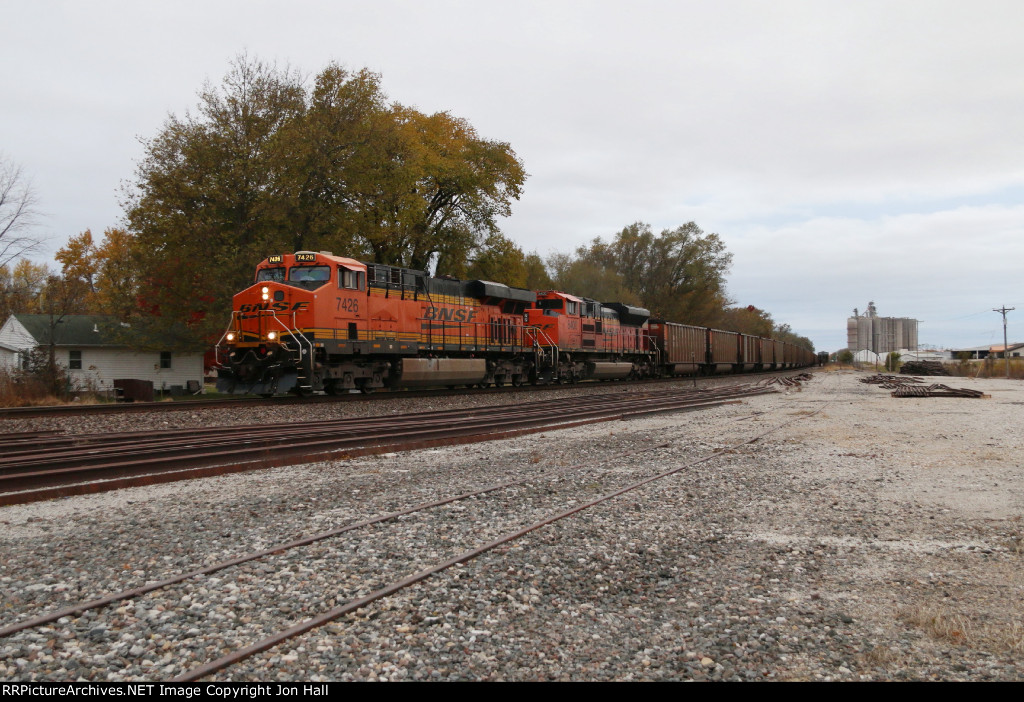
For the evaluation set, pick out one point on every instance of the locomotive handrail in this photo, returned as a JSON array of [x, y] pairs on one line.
[[216, 347], [292, 331], [517, 340], [551, 345]]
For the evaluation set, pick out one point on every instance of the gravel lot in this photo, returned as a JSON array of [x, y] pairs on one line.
[[865, 538]]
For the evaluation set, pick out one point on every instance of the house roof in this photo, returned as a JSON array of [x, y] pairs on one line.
[[992, 349], [71, 329]]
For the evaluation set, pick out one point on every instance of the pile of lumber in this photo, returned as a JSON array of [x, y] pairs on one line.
[[889, 381], [936, 391], [791, 381], [923, 368]]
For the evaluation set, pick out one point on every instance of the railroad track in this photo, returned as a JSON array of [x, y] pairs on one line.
[[40, 467], [525, 504], [73, 410]]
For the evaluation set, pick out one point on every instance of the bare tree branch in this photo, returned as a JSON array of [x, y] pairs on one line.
[[18, 213]]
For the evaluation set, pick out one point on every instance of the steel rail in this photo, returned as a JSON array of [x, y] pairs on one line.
[[310, 624], [100, 602], [283, 401], [95, 449], [353, 605], [220, 403], [9, 454], [167, 463], [36, 486]]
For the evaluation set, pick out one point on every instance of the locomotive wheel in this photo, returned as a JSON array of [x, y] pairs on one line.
[[366, 390], [517, 381]]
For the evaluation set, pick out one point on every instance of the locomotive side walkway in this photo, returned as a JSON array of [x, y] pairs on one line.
[[877, 538]]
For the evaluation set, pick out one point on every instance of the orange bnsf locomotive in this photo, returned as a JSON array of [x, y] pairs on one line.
[[313, 321]]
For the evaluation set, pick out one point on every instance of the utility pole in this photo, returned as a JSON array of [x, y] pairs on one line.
[[1006, 353]]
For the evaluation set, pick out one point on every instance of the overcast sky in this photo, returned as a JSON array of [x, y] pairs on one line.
[[844, 151]]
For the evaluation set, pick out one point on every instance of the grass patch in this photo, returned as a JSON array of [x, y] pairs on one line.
[[18, 391], [939, 623], [879, 657], [943, 624], [988, 368]]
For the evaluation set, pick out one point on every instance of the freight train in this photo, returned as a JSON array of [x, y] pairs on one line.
[[313, 321]]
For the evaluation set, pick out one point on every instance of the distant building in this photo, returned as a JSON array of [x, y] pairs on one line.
[[880, 334], [92, 356], [976, 353]]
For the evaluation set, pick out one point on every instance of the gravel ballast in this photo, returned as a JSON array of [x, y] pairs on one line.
[[865, 538]]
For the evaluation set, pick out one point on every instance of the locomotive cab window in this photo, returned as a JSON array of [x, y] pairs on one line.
[[351, 280], [552, 308], [274, 275], [309, 277], [571, 307]]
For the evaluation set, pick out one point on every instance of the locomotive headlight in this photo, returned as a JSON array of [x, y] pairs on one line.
[[265, 291], [271, 335], [231, 336]]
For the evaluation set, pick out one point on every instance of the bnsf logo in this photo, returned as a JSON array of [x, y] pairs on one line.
[[447, 314], [276, 306]]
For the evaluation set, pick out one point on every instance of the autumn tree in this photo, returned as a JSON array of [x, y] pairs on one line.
[[537, 276], [206, 203], [266, 164], [405, 188], [678, 274], [747, 320], [78, 260], [589, 275], [117, 284], [500, 260], [104, 273], [20, 287], [783, 332]]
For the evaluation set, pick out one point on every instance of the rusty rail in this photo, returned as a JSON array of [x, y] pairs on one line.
[[99, 463]]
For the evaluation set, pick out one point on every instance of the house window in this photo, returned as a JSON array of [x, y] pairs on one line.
[[75, 359], [165, 359]]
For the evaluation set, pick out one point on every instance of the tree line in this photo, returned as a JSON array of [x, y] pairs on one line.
[[678, 274], [269, 162]]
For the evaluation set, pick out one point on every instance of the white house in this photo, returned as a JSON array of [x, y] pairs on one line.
[[86, 346]]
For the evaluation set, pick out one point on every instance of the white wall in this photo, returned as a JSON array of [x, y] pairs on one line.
[[9, 360], [101, 366], [15, 336]]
